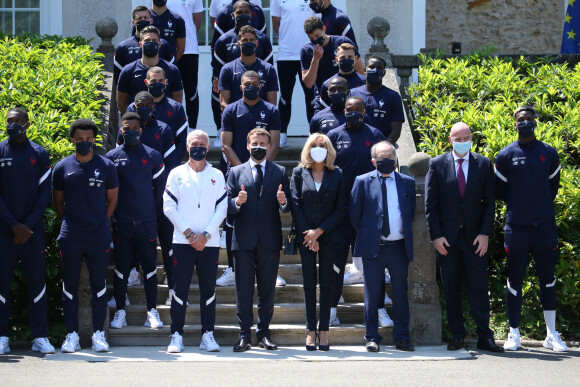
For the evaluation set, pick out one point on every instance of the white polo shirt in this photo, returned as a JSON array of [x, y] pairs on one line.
[[186, 9], [292, 38]]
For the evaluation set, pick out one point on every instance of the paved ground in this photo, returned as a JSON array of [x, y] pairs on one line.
[[529, 367]]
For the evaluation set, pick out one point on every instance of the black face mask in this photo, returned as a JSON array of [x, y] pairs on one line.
[[150, 49], [242, 20], [14, 130], [252, 92], [337, 99], [319, 40], [346, 65], [131, 137], [248, 48], [385, 166], [526, 128], [258, 153], [197, 152], [141, 24], [156, 89], [145, 113], [160, 3], [83, 148], [316, 7], [354, 119], [374, 76]]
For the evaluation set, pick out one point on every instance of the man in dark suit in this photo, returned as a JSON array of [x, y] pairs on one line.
[[460, 207], [257, 192], [382, 209]]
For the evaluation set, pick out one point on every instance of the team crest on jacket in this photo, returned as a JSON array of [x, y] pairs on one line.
[[367, 143], [157, 136], [144, 161], [169, 113], [32, 161]]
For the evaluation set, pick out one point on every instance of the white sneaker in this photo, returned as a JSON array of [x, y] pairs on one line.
[[99, 342], [165, 281], [120, 320], [513, 342], [176, 344], [227, 279], [42, 345], [4, 347], [208, 342], [353, 276], [223, 239], [153, 321], [334, 321], [341, 300], [113, 303], [388, 300], [554, 341], [280, 281], [218, 140], [387, 277], [384, 319], [134, 279], [283, 140], [71, 343]]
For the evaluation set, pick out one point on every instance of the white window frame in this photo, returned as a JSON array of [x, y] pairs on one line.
[[50, 12]]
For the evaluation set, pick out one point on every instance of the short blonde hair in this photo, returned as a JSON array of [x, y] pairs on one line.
[[306, 159]]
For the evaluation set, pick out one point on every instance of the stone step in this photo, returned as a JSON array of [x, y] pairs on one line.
[[284, 313], [292, 293], [228, 334]]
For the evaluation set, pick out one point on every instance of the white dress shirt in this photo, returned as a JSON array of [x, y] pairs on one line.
[[255, 170], [395, 216], [464, 166]]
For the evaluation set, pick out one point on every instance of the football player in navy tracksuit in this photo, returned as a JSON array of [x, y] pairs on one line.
[[527, 179], [24, 194], [141, 179], [335, 21], [84, 193]]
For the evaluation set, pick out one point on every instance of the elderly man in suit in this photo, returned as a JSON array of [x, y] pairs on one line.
[[460, 207], [257, 191], [381, 211]]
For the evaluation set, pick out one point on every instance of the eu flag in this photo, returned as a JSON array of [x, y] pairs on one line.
[[571, 45]]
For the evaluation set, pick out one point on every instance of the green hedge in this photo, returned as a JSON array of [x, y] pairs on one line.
[[56, 80], [483, 91]]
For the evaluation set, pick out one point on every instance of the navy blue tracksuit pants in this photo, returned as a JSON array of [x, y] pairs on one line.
[[542, 243], [96, 254], [32, 256], [185, 258], [135, 242], [287, 72]]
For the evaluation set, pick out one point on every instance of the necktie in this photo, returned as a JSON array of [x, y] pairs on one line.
[[386, 228], [259, 179], [461, 178]]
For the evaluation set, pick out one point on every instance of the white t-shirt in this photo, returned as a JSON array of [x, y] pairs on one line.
[[292, 38], [215, 5], [186, 9]]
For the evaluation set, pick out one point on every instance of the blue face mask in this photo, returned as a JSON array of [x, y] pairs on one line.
[[526, 128], [346, 65], [145, 113], [197, 152], [14, 130], [385, 166], [248, 48], [141, 24], [252, 92], [337, 99], [83, 148], [150, 49], [242, 20], [156, 89], [461, 148], [354, 119], [131, 137], [318, 41], [374, 75], [317, 8]]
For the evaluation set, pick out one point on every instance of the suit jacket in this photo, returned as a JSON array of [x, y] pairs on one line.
[[366, 212], [445, 208], [258, 219], [324, 208]]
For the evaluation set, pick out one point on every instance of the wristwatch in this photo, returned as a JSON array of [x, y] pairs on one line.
[[207, 235]]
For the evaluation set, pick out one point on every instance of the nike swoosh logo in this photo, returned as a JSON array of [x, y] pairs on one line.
[[237, 73], [70, 173], [137, 76], [239, 115]]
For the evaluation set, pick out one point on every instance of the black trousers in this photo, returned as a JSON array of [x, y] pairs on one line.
[[460, 265], [188, 65], [261, 264], [287, 72], [325, 261], [340, 257]]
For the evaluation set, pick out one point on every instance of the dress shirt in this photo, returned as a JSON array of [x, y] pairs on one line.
[[395, 216], [255, 170], [465, 165]]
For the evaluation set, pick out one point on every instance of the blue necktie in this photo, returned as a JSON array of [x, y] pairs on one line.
[[386, 228]]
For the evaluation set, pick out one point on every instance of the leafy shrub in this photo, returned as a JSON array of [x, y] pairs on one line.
[[56, 80], [483, 91]]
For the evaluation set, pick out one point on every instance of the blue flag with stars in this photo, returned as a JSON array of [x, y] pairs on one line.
[[571, 44]]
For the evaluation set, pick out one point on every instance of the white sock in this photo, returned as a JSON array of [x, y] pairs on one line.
[[515, 330], [550, 318], [332, 311], [357, 262]]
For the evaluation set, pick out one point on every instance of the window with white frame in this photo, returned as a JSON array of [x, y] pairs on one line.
[[19, 16]]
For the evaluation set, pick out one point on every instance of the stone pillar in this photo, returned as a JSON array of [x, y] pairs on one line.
[[106, 28], [424, 303], [378, 28]]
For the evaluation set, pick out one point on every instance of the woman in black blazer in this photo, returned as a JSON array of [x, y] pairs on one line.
[[318, 206]]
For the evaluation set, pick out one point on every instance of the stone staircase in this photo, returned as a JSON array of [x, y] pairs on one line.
[[289, 321]]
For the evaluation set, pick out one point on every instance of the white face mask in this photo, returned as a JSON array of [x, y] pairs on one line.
[[318, 154]]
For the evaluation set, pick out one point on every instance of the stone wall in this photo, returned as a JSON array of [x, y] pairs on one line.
[[514, 26]]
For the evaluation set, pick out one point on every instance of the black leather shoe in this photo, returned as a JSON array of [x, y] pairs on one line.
[[267, 343], [405, 345], [455, 344], [372, 346], [243, 345], [489, 345]]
